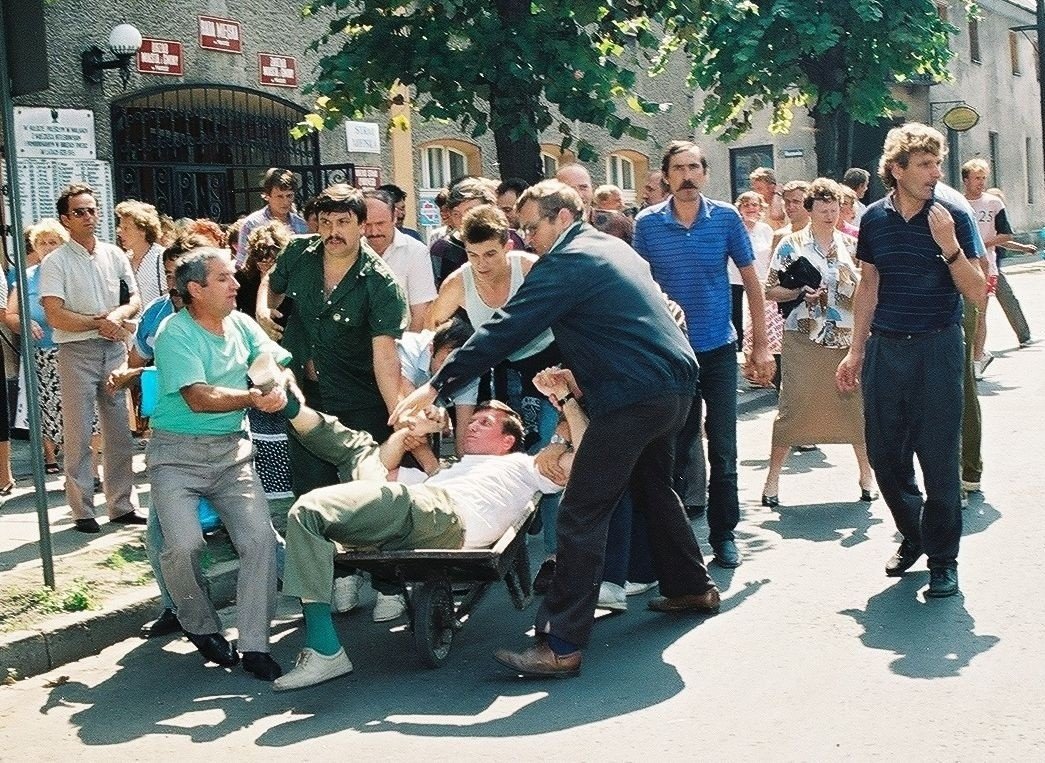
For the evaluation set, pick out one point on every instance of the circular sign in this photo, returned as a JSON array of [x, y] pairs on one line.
[[961, 118]]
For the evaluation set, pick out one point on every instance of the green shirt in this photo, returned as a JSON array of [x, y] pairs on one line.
[[336, 332], [186, 354]]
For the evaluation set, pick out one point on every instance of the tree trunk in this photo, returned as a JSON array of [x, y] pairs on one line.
[[833, 131], [519, 156]]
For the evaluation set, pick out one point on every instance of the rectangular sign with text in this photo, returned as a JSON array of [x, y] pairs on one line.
[[225, 35], [277, 71], [161, 57]]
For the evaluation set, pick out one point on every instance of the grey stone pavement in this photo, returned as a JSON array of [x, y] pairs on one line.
[[816, 655]]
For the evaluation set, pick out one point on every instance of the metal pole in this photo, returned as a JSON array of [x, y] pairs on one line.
[[1041, 69], [28, 366]]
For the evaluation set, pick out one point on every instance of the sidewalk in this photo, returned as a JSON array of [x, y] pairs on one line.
[[127, 597]]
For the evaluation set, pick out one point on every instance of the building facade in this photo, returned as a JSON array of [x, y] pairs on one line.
[[218, 85]]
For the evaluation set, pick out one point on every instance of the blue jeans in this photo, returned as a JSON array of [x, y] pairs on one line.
[[628, 554], [717, 393]]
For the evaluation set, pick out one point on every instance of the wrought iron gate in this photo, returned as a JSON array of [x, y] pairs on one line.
[[201, 151]]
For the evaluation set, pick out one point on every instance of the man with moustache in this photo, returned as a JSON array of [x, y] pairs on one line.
[[688, 240], [918, 257], [348, 310]]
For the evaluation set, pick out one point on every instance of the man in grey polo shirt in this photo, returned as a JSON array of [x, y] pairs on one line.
[[87, 291]]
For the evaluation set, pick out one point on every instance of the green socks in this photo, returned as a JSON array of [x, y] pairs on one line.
[[319, 628]]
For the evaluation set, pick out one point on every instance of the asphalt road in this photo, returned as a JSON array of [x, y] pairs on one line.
[[816, 655]]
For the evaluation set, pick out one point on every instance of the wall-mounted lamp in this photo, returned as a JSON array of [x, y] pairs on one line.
[[124, 41]]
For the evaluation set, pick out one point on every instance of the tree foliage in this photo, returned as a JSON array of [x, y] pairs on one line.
[[489, 66], [518, 67], [838, 58]]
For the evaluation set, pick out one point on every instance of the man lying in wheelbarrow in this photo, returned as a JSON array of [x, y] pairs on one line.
[[469, 504]]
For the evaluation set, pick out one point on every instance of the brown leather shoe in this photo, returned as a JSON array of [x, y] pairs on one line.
[[709, 601], [540, 660]]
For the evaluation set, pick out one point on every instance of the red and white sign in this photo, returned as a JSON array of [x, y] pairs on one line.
[[277, 71], [367, 178], [161, 57], [225, 35]]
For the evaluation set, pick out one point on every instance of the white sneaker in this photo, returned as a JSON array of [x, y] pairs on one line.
[[611, 596], [970, 487], [634, 589], [389, 607], [345, 595], [979, 366], [313, 668]]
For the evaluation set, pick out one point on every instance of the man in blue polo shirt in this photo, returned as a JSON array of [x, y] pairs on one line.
[[688, 241], [918, 256]]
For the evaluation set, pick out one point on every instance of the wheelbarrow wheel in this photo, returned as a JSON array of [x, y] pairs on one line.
[[433, 622]]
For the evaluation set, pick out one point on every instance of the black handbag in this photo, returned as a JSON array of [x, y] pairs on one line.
[[800, 273]]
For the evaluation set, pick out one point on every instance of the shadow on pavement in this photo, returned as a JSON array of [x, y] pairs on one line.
[[932, 638], [848, 523], [155, 692]]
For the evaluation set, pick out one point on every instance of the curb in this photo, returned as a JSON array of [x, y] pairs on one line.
[[71, 637]]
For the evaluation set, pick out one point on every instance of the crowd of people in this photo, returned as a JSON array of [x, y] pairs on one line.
[[581, 343]]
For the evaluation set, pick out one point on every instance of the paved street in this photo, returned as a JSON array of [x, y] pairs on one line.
[[816, 655]]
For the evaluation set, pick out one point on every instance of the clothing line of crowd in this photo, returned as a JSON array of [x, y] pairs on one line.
[[620, 331]]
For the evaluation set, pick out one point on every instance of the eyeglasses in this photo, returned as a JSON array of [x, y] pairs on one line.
[[530, 228], [84, 212]]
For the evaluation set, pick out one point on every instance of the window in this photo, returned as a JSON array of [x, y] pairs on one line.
[[550, 165], [1014, 53], [620, 171], [974, 40], [1028, 156], [440, 165], [741, 163], [995, 149]]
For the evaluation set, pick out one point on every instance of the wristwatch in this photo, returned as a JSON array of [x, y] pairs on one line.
[[950, 260], [558, 439]]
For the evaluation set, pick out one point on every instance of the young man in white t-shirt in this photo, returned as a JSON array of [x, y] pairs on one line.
[[994, 230]]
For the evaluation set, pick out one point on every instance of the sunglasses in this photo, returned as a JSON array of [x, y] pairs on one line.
[[84, 212]]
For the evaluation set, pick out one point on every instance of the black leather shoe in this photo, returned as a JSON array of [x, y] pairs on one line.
[[772, 501], [89, 525], [543, 581], [726, 554], [215, 648], [903, 559], [695, 512], [943, 582], [262, 665], [130, 518], [868, 495], [164, 625]]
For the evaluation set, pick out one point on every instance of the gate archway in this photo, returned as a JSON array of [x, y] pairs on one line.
[[200, 150]]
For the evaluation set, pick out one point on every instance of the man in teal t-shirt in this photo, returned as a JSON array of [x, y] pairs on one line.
[[200, 449]]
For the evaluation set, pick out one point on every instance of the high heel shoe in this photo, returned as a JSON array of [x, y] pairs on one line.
[[7, 489], [771, 501], [868, 494]]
